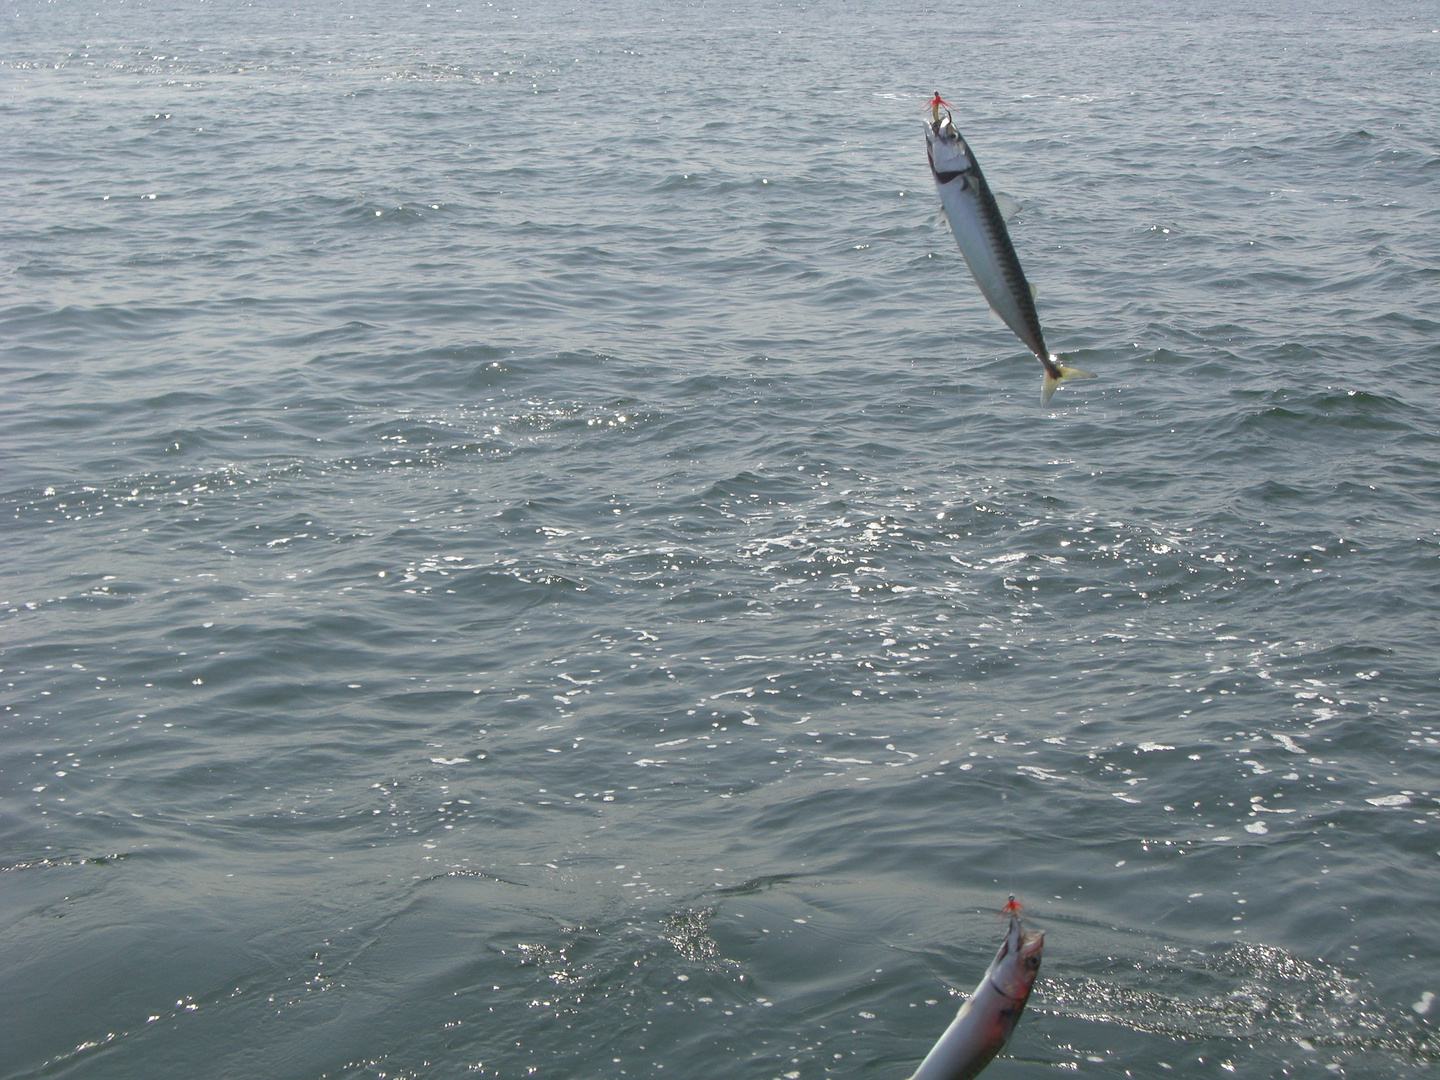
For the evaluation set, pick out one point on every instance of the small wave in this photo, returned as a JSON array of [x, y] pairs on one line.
[[1242, 992]]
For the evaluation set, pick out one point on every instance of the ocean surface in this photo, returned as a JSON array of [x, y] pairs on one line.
[[525, 554]]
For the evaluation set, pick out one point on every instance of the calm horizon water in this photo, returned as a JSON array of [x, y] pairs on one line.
[[525, 553]]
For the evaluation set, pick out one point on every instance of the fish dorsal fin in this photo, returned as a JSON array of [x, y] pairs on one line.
[[1034, 292], [1008, 206]]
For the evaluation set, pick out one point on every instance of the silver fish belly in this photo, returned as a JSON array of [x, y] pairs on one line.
[[985, 1023], [985, 244]]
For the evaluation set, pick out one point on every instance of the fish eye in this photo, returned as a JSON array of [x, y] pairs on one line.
[[1033, 963]]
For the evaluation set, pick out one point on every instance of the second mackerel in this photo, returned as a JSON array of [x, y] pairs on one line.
[[979, 229], [986, 1021]]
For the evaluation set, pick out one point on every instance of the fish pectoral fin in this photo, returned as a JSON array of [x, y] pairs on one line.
[[1054, 374]]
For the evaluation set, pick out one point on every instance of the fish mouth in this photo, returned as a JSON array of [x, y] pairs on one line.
[[1032, 945], [944, 143], [1023, 941], [944, 128]]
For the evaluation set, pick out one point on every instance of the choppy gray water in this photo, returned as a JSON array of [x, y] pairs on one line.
[[525, 554]]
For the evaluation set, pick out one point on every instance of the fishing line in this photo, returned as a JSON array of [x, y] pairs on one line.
[[1008, 812]]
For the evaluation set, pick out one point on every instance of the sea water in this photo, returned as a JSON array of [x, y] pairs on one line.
[[525, 554]]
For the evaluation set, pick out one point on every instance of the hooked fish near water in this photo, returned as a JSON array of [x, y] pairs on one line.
[[979, 229], [985, 1023]]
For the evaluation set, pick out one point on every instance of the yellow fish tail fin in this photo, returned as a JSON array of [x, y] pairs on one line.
[[1055, 372]]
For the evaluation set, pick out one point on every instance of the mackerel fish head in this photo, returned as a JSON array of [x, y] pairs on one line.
[[1017, 964], [948, 150]]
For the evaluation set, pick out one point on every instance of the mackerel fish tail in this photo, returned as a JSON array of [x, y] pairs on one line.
[[1055, 373]]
